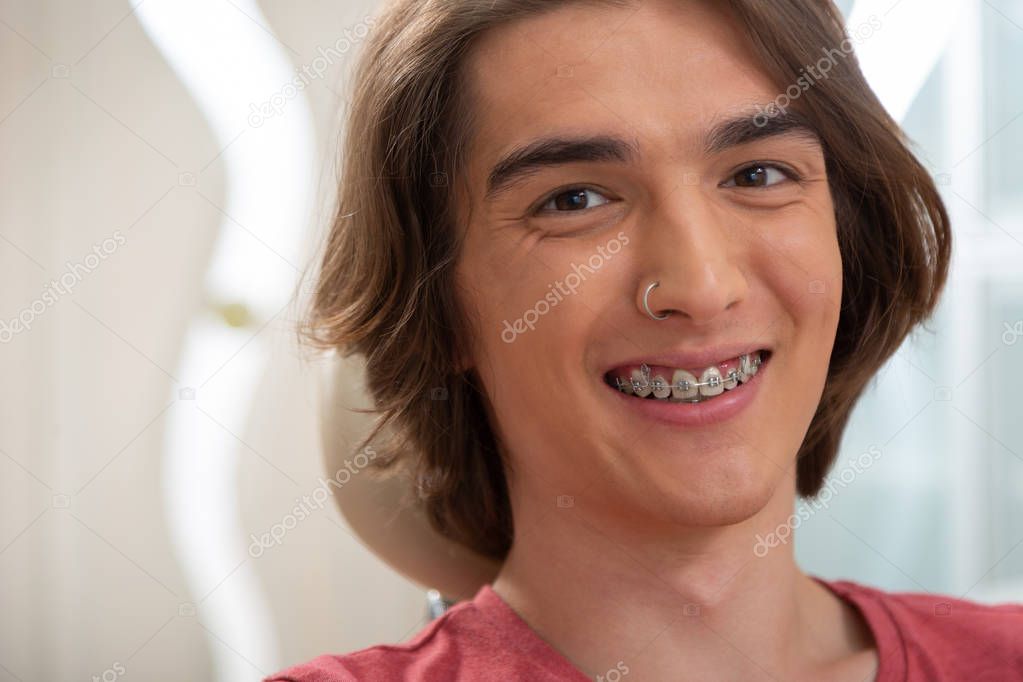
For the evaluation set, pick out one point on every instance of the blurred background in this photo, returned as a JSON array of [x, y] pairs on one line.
[[167, 171]]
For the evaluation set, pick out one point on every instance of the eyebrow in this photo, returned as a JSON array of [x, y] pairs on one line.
[[549, 152]]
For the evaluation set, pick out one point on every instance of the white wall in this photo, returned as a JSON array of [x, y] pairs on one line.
[[95, 133]]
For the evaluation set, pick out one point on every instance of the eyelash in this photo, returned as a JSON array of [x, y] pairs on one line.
[[790, 173], [787, 171]]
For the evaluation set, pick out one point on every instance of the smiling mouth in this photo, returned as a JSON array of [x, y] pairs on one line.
[[677, 385]]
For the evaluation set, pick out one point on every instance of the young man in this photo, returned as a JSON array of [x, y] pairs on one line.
[[617, 297]]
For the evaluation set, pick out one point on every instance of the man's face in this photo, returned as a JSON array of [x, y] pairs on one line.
[[735, 222]]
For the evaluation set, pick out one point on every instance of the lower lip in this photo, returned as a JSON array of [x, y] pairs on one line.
[[695, 415]]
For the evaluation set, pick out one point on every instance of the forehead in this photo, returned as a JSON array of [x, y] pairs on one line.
[[661, 72]]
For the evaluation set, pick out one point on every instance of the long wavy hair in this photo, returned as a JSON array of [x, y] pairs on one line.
[[386, 283]]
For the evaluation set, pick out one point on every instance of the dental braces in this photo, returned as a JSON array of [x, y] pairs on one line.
[[736, 374]]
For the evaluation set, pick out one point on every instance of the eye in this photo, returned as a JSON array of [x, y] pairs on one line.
[[574, 200], [760, 175]]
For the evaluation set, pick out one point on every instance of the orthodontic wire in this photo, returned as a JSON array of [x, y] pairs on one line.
[[685, 385]]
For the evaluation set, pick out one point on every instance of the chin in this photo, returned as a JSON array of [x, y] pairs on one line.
[[723, 492]]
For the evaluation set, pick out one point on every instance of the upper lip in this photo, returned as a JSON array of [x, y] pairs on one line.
[[695, 358]]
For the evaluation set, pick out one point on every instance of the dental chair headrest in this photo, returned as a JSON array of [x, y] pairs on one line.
[[377, 509]]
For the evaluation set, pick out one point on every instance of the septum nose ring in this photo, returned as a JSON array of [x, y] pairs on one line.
[[646, 302]]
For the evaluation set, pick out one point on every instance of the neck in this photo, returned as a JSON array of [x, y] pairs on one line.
[[605, 592]]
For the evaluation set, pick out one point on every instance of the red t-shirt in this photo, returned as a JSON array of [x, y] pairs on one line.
[[920, 638]]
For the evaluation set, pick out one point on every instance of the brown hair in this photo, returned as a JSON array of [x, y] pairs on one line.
[[386, 288]]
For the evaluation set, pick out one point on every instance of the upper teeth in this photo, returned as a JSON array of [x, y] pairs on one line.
[[684, 386], [711, 382]]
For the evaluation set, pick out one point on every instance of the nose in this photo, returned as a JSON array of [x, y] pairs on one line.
[[693, 249]]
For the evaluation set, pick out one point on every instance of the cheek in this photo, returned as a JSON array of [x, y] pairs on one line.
[[823, 294], [800, 268], [535, 313], [514, 312], [491, 290], [805, 268], [531, 302], [801, 260]]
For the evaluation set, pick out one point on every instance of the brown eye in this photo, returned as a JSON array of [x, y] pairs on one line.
[[573, 201], [758, 175], [754, 176]]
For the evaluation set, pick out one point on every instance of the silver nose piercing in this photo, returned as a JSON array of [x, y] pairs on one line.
[[646, 302]]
